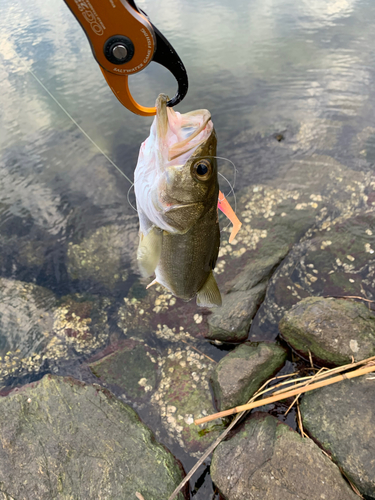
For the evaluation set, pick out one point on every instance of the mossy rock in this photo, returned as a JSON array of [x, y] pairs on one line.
[[334, 331], [61, 438], [241, 372], [340, 418]]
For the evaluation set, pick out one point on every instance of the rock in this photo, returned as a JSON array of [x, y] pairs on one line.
[[80, 326], [131, 368], [231, 322], [37, 331], [241, 372], [335, 260], [267, 460], [26, 322], [333, 330], [61, 438], [341, 419], [105, 256], [183, 395]]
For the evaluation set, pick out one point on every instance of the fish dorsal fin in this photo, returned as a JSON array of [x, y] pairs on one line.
[[149, 251], [209, 294]]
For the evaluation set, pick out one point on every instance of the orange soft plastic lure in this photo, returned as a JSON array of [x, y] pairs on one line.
[[227, 210]]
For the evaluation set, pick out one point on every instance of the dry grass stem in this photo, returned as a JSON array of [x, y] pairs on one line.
[[294, 392], [295, 400], [348, 297], [299, 420], [311, 361]]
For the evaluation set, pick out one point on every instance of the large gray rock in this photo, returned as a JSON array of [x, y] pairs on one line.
[[341, 419], [267, 460], [333, 330], [62, 439], [241, 372]]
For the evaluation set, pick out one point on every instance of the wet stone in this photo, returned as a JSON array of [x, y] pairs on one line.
[[60, 437], [338, 259], [231, 322], [341, 419], [267, 460], [105, 256], [183, 395], [26, 323], [334, 331], [80, 326], [39, 332], [133, 368], [241, 372]]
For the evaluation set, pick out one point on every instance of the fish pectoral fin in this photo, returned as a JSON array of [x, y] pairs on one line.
[[229, 212], [149, 251], [209, 294]]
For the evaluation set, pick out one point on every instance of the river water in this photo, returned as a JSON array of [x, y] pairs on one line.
[[304, 69]]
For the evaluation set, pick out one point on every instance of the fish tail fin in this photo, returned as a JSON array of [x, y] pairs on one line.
[[224, 206], [209, 294]]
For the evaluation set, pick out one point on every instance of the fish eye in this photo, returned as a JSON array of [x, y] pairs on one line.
[[202, 170]]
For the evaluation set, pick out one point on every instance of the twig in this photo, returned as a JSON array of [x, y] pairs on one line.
[[347, 297], [287, 394]]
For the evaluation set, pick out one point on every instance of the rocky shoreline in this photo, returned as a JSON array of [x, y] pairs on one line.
[[298, 288]]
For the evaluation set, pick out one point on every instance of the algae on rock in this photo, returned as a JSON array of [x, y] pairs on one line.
[[61, 438], [241, 372], [335, 331]]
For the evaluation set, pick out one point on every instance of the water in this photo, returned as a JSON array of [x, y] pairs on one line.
[[300, 70]]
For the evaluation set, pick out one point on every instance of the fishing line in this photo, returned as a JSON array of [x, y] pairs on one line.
[[79, 126], [127, 197]]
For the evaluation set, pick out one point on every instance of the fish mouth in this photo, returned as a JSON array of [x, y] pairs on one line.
[[178, 206]]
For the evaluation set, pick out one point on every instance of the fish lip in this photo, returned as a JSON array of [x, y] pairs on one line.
[[179, 205]]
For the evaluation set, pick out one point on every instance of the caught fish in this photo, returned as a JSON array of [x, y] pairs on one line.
[[177, 192]]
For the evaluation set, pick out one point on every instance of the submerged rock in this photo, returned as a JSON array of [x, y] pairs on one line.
[[241, 372], [341, 419], [105, 256], [37, 331], [133, 368], [26, 323], [334, 331], [61, 438], [336, 260], [267, 460], [184, 395]]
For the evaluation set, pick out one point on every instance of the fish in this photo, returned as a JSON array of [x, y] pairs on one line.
[[177, 192]]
